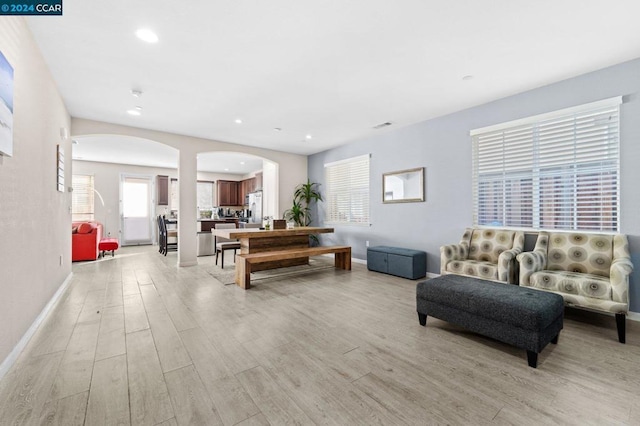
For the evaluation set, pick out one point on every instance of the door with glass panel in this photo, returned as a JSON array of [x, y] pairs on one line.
[[135, 210]]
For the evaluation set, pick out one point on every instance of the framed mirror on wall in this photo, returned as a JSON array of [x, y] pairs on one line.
[[404, 186]]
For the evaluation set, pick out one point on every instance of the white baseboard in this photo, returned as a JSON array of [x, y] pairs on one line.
[[353, 259], [13, 355]]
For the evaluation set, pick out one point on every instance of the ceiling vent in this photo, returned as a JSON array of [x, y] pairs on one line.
[[380, 126]]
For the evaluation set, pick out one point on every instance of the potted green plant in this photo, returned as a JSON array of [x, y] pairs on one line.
[[306, 194], [300, 212], [296, 214]]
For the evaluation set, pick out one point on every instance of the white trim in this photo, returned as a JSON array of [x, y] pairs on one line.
[[334, 224], [634, 316], [353, 259], [13, 355], [553, 114], [346, 160]]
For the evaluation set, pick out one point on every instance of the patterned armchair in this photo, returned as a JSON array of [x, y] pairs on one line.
[[484, 253], [590, 271]]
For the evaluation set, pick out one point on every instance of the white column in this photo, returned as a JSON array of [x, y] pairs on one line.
[[187, 220]]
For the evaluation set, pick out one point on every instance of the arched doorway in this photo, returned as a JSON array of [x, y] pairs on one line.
[[242, 167], [124, 171]]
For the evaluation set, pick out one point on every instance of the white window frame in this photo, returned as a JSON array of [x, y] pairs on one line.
[[82, 198], [553, 171], [347, 191]]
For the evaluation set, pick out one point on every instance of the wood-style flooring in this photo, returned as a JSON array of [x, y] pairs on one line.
[[137, 340]]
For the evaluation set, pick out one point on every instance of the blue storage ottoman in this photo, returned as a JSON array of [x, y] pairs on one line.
[[402, 262]]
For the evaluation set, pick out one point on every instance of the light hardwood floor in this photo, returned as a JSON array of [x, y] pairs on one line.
[[137, 340]]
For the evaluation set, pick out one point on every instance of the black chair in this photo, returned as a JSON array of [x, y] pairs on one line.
[[223, 244], [169, 233], [162, 237]]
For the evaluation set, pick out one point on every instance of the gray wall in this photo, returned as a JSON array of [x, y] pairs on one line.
[[443, 146]]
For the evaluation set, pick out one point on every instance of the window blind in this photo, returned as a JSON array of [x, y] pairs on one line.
[[174, 200], [555, 171], [82, 198], [204, 192], [347, 191]]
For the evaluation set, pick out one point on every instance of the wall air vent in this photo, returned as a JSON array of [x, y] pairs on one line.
[[380, 126]]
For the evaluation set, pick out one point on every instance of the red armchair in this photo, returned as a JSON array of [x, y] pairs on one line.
[[85, 238]]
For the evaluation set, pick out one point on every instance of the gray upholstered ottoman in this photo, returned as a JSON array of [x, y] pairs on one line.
[[402, 262], [523, 317]]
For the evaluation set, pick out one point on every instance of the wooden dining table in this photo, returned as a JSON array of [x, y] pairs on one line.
[[253, 240]]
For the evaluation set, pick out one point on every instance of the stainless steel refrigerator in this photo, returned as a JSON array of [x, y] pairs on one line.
[[255, 206]]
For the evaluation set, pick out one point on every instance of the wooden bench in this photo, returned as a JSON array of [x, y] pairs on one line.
[[244, 261]]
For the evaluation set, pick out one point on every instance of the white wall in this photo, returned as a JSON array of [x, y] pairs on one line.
[[35, 220]]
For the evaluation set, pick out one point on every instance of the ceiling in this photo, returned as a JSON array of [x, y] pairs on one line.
[[329, 69]]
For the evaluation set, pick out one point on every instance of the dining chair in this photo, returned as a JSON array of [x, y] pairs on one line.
[[223, 244], [161, 235], [169, 233]]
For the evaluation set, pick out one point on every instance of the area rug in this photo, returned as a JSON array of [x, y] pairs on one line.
[[227, 275]]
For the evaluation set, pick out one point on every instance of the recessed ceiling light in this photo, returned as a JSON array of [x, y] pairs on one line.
[[135, 111], [467, 77], [242, 162], [238, 121], [147, 35], [308, 136], [381, 125], [226, 170], [277, 129], [136, 93]]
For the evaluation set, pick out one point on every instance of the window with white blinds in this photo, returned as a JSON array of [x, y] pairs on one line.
[[204, 192], [82, 198], [174, 200], [553, 171], [347, 191]]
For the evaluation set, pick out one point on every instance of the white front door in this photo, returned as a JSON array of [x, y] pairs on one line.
[[135, 208]]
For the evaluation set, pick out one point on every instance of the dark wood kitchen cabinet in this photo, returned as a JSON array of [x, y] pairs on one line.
[[245, 187], [162, 187], [228, 193]]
